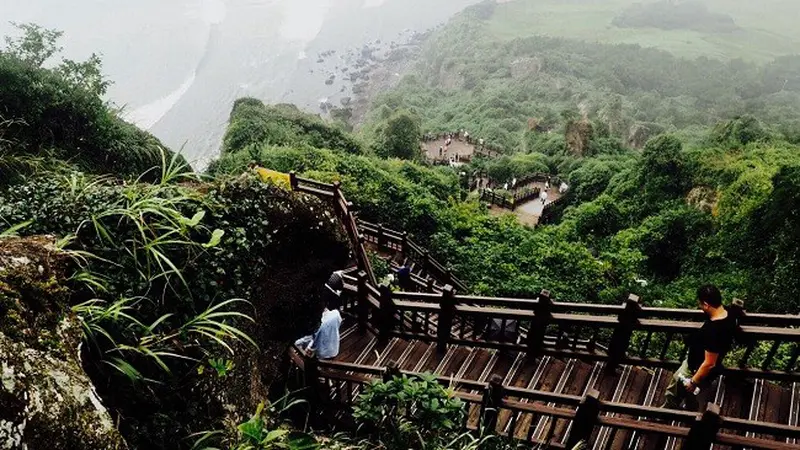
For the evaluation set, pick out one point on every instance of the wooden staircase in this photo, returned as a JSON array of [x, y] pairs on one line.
[[746, 399], [573, 372]]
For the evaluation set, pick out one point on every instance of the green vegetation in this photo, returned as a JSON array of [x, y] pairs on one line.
[[172, 276], [765, 30], [522, 93], [396, 414], [51, 118], [251, 122], [668, 15], [186, 287]]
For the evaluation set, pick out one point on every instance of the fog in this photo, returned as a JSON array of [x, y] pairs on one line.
[[178, 65]]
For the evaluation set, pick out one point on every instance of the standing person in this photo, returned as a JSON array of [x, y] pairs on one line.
[[707, 349], [543, 196], [514, 183], [324, 343], [466, 137], [563, 188], [441, 149]]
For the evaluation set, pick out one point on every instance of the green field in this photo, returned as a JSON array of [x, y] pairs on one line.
[[767, 27]]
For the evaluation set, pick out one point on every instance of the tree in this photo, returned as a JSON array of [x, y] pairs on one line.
[[662, 172], [401, 136], [37, 45]]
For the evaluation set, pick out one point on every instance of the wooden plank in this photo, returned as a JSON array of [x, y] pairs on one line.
[[523, 421], [775, 406], [582, 375], [545, 424], [637, 392], [611, 387], [455, 362], [794, 410], [547, 382]]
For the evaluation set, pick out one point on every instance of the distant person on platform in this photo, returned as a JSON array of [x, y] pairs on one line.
[[324, 343], [441, 150], [563, 188], [466, 136], [543, 196], [707, 348], [513, 183]]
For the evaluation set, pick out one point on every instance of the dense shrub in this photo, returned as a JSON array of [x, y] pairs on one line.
[[252, 122], [47, 115]]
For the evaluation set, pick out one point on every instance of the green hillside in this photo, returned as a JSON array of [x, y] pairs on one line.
[[765, 28]]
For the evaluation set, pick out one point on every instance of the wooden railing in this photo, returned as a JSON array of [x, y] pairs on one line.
[[387, 239], [767, 347], [575, 417], [521, 192], [343, 210]]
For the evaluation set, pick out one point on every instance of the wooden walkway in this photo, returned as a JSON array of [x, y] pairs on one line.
[[754, 400], [554, 373]]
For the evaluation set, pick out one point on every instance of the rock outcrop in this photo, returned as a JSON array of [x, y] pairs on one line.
[[46, 399], [578, 135]]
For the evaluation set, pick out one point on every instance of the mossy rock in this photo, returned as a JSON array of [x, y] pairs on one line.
[[48, 402], [46, 399]]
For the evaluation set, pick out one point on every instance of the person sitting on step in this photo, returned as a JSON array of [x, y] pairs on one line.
[[707, 348], [324, 343]]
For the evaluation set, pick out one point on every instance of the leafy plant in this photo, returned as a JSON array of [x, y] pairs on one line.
[[263, 431], [409, 412]]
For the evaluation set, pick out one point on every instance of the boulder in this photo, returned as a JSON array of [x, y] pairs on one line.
[[46, 399]]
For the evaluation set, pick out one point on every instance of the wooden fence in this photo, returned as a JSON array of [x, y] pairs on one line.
[[387, 239], [343, 210], [768, 347], [577, 417]]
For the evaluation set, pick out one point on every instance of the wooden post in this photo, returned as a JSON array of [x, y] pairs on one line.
[[491, 404], [585, 419], [311, 382], [447, 307], [391, 370], [337, 193], [404, 250], [621, 338], [293, 180], [427, 263], [431, 284], [381, 237], [704, 430], [541, 319], [362, 307], [387, 313]]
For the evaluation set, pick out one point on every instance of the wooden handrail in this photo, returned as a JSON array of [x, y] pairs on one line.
[[569, 407], [415, 251], [342, 209]]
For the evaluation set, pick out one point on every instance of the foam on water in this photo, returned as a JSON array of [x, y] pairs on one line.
[[212, 12]]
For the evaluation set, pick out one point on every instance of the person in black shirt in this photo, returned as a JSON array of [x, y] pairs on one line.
[[707, 348]]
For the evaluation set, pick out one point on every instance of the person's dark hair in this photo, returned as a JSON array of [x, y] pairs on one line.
[[710, 295], [333, 302]]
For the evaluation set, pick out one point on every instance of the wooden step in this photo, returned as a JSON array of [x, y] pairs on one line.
[[634, 392]]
